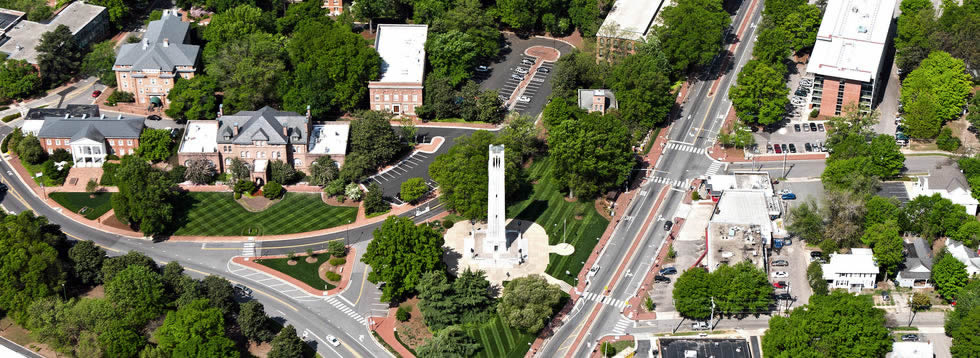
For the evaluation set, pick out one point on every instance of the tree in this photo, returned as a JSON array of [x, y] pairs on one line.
[[915, 25], [642, 86], [413, 189], [120, 341], [451, 54], [99, 61], [145, 196], [172, 275], [966, 338], [374, 201], [155, 145], [281, 172], [944, 79], [418, 248], [802, 26], [297, 12], [966, 301], [844, 214], [337, 248], [850, 175], [591, 155], [323, 171], [272, 190], [193, 99], [772, 45], [472, 295], [439, 98], [436, 300], [968, 233], [254, 323], [946, 141], [239, 170], [740, 290], [527, 303], [87, 262], [220, 294], [887, 246], [235, 23], [921, 118], [838, 325], [138, 291], [462, 174], [247, 69], [372, 137], [29, 262], [374, 9], [518, 14], [29, 149], [761, 95], [200, 171], [469, 17], [195, 329], [949, 274], [58, 56], [880, 210], [584, 15], [286, 344], [18, 80], [450, 342], [113, 265], [693, 32], [932, 216], [814, 276]]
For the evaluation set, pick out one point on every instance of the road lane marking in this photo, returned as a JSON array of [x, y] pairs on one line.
[[254, 289]]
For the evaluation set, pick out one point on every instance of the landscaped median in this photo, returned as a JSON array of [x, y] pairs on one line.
[[91, 206], [310, 275]]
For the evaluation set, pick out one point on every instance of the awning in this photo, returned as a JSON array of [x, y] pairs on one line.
[[156, 100]]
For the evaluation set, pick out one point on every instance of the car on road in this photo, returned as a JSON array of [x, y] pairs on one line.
[[96, 93], [592, 271], [779, 284], [789, 196], [796, 127], [661, 278], [10, 173], [777, 149], [544, 69], [243, 290], [780, 262], [699, 325], [668, 224], [813, 127], [780, 274], [333, 340], [910, 338], [153, 117], [524, 99], [3, 187], [792, 148], [521, 70], [668, 270], [516, 76], [482, 68]]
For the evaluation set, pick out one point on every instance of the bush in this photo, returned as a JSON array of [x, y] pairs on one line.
[[337, 248], [29, 149], [333, 276], [814, 113], [695, 195], [338, 261], [650, 306], [403, 313], [946, 141], [3, 146], [10, 117], [111, 157], [108, 174], [353, 192], [61, 155], [119, 96], [334, 188], [671, 254], [448, 223], [238, 195], [272, 190], [374, 202], [245, 186], [608, 350], [91, 187], [133, 39]]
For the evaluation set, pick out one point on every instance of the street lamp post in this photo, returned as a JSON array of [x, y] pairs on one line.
[[346, 242]]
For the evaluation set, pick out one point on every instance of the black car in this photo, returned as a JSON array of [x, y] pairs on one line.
[[813, 127], [792, 148], [659, 278], [785, 149], [784, 296], [796, 127], [808, 147], [3, 187], [153, 117], [780, 263], [668, 271], [668, 225], [815, 254], [910, 338], [181, 121]]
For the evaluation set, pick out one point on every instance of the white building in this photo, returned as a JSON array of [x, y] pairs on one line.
[[627, 24], [329, 139], [402, 51], [912, 350], [854, 271], [738, 229], [966, 255], [950, 183]]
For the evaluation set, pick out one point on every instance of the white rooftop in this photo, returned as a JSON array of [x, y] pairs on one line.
[[858, 261], [911, 350], [743, 207], [630, 19], [26, 35], [329, 138], [851, 39], [402, 50], [32, 126], [200, 137]]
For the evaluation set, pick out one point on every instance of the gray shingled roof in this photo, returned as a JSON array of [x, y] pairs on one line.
[[266, 124], [948, 177], [92, 128], [156, 55], [917, 254]]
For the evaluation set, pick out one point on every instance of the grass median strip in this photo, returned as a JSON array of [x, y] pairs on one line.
[[302, 271], [91, 206], [217, 214]]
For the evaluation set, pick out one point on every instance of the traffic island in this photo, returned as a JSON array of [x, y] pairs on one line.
[[307, 276]]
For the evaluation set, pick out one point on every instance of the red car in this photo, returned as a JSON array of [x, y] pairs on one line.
[[779, 284], [96, 93]]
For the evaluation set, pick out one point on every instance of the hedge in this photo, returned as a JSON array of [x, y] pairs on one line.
[[11, 117]]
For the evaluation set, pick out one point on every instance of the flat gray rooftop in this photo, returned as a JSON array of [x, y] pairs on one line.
[[718, 348]]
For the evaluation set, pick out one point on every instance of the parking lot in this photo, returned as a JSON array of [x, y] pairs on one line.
[[536, 95], [795, 137], [504, 77]]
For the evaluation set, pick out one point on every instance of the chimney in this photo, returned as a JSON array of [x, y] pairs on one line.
[[308, 115], [285, 131], [236, 129], [166, 42], [221, 110]]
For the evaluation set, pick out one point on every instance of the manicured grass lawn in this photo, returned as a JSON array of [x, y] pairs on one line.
[[546, 206], [305, 272], [217, 214], [94, 207], [500, 341]]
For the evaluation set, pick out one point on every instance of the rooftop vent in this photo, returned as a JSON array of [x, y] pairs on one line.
[[854, 9], [862, 29]]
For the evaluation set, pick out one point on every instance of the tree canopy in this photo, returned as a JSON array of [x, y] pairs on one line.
[[452, 342], [462, 173], [193, 99], [400, 253], [145, 198], [761, 95], [592, 154], [155, 145], [195, 330], [29, 260], [247, 68], [836, 325], [373, 138], [18, 80], [693, 31], [99, 61], [528, 302], [643, 87], [58, 56], [935, 92], [138, 292], [949, 274]]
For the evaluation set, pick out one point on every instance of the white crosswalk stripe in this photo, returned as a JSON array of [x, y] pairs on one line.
[[672, 182], [686, 148], [345, 309], [606, 300], [713, 169], [620, 328]]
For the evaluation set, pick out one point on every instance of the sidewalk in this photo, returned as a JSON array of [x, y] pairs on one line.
[[385, 328]]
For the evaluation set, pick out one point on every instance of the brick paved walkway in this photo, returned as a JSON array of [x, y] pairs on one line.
[[385, 327]]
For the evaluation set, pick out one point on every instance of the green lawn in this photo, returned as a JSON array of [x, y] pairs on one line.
[[500, 341], [217, 214], [305, 272], [77, 202], [547, 207]]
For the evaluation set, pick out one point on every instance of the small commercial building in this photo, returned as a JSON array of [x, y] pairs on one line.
[[848, 58], [912, 350], [715, 185], [149, 69], [402, 51], [19, 37], [597, 100], [91, 139], [739, 229], [627, 25], [704, 348], [854, 271], [917, 269]]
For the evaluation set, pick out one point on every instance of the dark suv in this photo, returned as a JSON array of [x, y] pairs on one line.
[[661, 278], [668, 225]]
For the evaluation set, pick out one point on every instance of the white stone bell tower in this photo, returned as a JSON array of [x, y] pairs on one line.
[[496, 240]]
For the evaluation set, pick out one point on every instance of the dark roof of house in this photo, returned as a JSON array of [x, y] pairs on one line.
[[917, 253], [73, 110], [91, 128], [152, 53], [266, 124], [718, 348]]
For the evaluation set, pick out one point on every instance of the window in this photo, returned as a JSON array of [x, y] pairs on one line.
[[125, 84], [50, 151], [48, 141], [298, 163], [166, 82], [415, 98], [129, 142], [396, 98], [112, 142], [377, 107], [139, 81], [58, 142], [153, 81], [278, 155], [243, 154], [377, 97], [124, 75], [131, 151], [387, 108], [227, 161], [387, 98]]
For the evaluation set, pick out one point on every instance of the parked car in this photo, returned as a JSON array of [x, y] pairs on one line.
[[521, 70], [780, 262], [792, 148], [885, 296], [524, 99], [527, 61], [796, 127], [784, 296], [813, 127], [96, 93], [668, 224], [153, 117], [668, 271], [768, 148], [806, 128], [910, 338], [660, 278], [482, 68], [777, 149], [699, 325], [789, 196], [544, 69], [779, 284], [808, 147], [780, 274], [820, 127], [815, 254], [784, 148], [333, 340], [787, 242]]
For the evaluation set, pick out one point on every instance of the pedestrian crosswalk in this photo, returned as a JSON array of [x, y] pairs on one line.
[[248, 249], [713, 169], [618, 304], [672, 182], [686, 148], [620, 328], [346, 309]]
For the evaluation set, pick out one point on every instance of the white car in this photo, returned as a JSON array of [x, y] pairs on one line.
[[524, 99], [520, 70], [780, 274], [333, 340], [482, 68]]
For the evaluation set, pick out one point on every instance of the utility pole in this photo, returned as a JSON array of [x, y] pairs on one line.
[[711, 324], [784, 164], [564, 229]]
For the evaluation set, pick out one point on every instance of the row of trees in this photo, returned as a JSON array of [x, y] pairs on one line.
[[963, 323], [838, 325], [933, 93], [921, 32], [739, 290]]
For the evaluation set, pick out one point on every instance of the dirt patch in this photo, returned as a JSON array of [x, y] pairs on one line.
[[968, 140], [95, 292], [311, 259], [114, 222], [21, 336], [256, 203], [413, 333], [600, 207], [334, 202], [291, 262], [259, 350]]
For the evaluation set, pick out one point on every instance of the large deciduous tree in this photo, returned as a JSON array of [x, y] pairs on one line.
[[18, 79], [761, 93], [887, 159], [451, 54], [87, 261], [887, 246], [194, 330], [99, 61], [591, 154], [949, 274], [200, 171], [234, 24], [138, 291], [145, 197], [323, 171], [255, 325], [29, 261], [527, 303], [286, 344], [942, 80], [400, 253], [740, 290], [691, 294], [58, 56], [193, 99], [693, 32], [837, 325], [247, 69], [966, 338], [155, 145], [373, 138], [642, 86]]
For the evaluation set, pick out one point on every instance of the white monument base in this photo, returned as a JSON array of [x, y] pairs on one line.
[[527, 251]]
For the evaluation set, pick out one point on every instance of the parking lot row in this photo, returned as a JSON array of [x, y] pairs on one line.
[[400, 168]]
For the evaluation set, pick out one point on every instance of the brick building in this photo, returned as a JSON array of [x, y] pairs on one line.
[[20, 37], [334, 7], [848, 58], [402, 50], [90, 139], [597, 100], [148, 69], [626, 25], [260, 137]]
